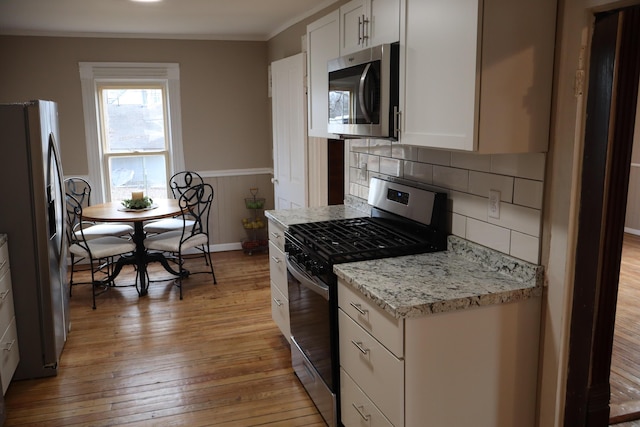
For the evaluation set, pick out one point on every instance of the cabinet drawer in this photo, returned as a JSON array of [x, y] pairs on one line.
[[280, 311], [278, 268], [387, 329], [276, 235], [6, 299], [357, 408], [9, 354], [4, 258], [375, 369]]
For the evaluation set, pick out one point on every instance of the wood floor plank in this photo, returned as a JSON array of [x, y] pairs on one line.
[[215, 358]]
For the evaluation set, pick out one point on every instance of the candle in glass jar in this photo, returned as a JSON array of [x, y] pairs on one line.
[[135, 195]]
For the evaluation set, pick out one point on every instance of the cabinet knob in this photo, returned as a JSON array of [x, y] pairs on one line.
[[274, 181]]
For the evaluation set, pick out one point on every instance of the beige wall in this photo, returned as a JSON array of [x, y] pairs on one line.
[[225, 107]]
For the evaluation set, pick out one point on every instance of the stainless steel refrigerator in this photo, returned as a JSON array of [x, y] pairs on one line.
[[32, 215]]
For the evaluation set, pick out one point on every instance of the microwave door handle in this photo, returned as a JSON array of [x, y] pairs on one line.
[[307, 281], [361, 89]]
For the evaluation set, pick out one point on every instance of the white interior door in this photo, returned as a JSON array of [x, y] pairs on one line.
[[289, 132]]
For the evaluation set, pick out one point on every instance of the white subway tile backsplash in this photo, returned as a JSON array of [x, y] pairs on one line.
[[530, 165], [370, 162], [380, 147], [485, 234], [393, 167], [403, 151], [459, 225], [471, 161], [422, 172], [455, 179], [469, 205], [528, 193], [525, 247], [480, 183], [359, 145], [436, 157], [519, 218], [467, 177], [358, 176]]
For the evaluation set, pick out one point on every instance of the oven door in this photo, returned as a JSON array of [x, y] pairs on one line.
[[311, 349]]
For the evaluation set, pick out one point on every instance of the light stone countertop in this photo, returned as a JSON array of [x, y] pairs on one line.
[[287, 217], [3, 239], [466, 275]]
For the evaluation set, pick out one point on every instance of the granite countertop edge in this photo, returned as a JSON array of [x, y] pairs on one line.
[[467, 275]]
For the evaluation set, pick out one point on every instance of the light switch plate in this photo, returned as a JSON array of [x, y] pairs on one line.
[[494, 204]]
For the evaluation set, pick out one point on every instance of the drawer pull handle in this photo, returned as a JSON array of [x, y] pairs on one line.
[[4, 295], [9, 346], [276, 260], [360, 347], [3, 264], [276, 235], [358, 308], [359, 410], [278, 302]]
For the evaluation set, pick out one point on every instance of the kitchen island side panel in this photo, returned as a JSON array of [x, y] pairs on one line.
[[473, 367]]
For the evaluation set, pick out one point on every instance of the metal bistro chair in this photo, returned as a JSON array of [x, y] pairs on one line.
[[179, 183], [196, 205], [80, 189], [96, 249]]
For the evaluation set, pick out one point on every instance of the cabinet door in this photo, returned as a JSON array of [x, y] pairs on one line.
[[323, 44], [384, 22], [439, 73], [353, 17]]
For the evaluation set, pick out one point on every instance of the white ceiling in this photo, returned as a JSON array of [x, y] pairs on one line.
[[182, 19]]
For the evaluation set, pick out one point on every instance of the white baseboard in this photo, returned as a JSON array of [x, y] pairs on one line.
[[632, 231]]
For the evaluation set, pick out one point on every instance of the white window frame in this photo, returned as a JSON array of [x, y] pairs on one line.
[[94, 73]]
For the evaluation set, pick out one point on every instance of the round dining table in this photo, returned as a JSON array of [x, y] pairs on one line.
[[116, 212]]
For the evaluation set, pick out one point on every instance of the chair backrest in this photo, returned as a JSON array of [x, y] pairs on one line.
[[80, 189], [196, 204], [182, 181], [74, 222]]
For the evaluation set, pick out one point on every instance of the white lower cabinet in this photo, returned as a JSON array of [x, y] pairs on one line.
[[9, 352], [278, 275], [357, 408], [472, 367]]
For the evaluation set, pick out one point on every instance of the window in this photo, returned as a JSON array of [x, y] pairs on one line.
[[134, 140], [132, 127]]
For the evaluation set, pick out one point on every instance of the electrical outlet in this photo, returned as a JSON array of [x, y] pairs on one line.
[[494, 204]]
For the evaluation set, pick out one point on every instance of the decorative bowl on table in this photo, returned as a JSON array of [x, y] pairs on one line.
[[138, 204]]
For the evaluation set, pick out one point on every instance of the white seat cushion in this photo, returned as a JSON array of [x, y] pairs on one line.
[[168, 224], [103, 247], [104, 230], [170, 241]]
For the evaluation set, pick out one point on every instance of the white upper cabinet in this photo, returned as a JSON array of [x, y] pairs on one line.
[[366, 23], [322, 46], [476, 75]]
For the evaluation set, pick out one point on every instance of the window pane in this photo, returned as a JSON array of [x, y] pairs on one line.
[[134, 119], [136, 173]]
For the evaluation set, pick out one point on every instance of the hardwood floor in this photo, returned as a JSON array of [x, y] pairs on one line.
[[213, 359], [625, 363]]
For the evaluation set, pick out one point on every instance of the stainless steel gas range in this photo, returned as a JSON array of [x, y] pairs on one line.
[[405, 219]]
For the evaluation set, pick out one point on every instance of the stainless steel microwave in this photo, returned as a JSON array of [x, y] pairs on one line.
[[363, 93]]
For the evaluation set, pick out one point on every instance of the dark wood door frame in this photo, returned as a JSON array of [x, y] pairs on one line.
[[611, 107]]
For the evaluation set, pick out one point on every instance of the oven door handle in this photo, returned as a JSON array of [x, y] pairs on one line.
[[308, 281]]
